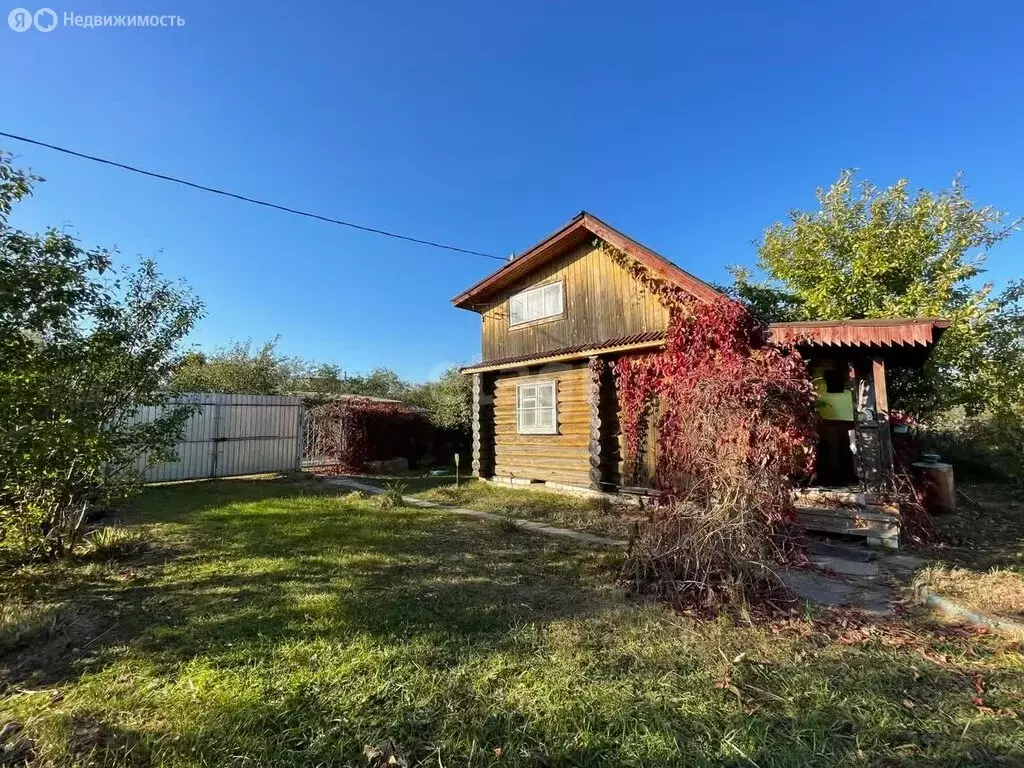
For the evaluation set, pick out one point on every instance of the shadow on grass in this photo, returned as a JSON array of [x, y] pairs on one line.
[[290, 625], [415, 482], [986, 532], [263, 563]]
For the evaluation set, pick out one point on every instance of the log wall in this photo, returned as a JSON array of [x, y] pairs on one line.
[[563, 457]]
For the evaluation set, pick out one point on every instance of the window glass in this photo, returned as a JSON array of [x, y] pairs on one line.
[[536, 408], [553, 299], [537, 303], [547, 396], [516, 311]]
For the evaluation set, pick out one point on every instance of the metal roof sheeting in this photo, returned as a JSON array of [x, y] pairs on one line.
[[581, 350], [887, 332]]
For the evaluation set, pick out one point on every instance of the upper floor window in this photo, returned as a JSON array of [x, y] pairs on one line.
[[537, 303]]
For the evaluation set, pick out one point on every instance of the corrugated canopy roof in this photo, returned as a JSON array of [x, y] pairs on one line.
[[884, 332], [635, 341]]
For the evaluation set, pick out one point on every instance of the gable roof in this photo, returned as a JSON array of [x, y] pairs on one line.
[[582, 227]]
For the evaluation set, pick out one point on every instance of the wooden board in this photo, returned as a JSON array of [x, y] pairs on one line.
[[602, 301], [878, 528]]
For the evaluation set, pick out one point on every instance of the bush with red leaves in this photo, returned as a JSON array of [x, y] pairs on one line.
[[356, 430], [736, 425]]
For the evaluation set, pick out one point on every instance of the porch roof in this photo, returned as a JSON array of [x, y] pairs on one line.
[[897, 335], [636, 342], [881, 332]]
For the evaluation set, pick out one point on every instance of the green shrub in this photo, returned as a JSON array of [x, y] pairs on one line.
[[391, 498], [112, 542], [81, 349], [986, 447]]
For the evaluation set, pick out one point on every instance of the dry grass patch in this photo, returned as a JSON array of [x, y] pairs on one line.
[[999, 591], [24, 624]]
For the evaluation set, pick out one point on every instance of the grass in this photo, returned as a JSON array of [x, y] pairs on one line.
[[111, 541], [594, 515], [998, 592], [981, 562], [282, 624], [23, 624]]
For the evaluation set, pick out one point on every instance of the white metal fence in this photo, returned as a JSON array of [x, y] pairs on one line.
[[232, 435]]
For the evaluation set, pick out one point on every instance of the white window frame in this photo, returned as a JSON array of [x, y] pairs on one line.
[[529, 400], [541, 297]]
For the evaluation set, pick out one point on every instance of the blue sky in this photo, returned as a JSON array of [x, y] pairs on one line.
[[689, 126]]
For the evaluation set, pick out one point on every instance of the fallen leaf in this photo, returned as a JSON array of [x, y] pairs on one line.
[[908, 704], [979, 683]]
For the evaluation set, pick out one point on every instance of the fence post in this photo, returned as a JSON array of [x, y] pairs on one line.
[[300, 434], [216, 439]]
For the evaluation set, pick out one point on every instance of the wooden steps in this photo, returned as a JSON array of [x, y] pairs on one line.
[[879, 526]]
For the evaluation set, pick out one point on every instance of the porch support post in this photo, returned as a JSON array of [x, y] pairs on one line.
[[595, 376], [483, 427], [882, 414], [881, 393]]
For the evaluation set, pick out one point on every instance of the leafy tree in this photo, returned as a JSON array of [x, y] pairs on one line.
[[872, 253], [238, 368], [380, 382], [81, 348], [449, 400], [325, 378]]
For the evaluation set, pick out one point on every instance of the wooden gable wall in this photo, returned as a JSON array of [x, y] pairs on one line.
[[602, 301]]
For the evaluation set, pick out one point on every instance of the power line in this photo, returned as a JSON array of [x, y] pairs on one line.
[[253, 200]]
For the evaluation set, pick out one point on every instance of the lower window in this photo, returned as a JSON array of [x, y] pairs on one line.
[[536, 412]]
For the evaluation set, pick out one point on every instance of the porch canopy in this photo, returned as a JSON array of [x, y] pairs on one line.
[[898, 341], [854, 439]]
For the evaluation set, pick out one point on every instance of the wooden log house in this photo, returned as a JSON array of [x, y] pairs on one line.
[[555, 318]]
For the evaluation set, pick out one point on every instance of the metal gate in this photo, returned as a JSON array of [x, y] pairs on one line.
[[231, 435], [322, 437]]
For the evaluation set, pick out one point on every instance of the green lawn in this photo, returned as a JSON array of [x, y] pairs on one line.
[[279, 624], [594, 515]]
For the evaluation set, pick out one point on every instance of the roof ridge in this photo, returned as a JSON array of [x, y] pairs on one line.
[[547, 248]]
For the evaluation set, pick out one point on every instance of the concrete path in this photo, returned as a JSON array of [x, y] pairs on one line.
[[854, 576], [819, 588], [1007, 627], [526, 525]]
